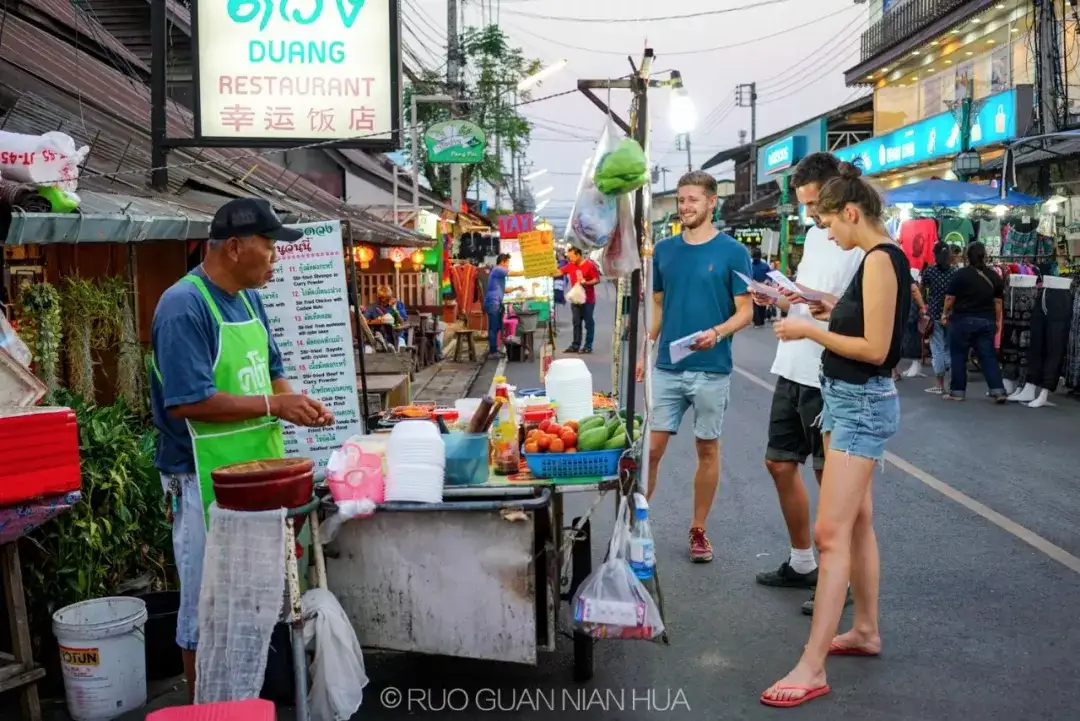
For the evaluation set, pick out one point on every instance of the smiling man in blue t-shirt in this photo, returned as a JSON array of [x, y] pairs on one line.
[[696, 291]]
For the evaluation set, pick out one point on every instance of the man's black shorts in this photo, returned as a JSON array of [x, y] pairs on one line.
[[793, 433]]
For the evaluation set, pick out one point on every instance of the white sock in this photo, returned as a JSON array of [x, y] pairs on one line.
[[802, 561]]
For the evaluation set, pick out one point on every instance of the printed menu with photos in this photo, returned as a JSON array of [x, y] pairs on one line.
[[308, 309], [538, 253]]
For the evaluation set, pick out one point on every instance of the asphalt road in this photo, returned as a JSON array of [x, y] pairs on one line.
[[977, 518], [976, 622]]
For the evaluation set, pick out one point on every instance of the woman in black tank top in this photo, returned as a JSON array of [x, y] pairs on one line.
[[862, 411]]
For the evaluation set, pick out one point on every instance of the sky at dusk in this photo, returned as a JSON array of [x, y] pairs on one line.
[[796, 51]]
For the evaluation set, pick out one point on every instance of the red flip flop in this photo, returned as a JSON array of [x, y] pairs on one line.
[[838, 650], [809, 695]]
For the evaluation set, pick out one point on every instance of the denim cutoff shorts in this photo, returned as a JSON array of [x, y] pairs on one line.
[[860, 418], [675, 392], [189, 545]]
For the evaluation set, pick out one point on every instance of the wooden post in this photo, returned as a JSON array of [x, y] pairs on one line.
[[23, 672]]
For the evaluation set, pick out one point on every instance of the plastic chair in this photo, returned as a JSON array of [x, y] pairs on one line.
[[251, 710]]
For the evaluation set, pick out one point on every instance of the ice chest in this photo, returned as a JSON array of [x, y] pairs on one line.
[[39, 453]]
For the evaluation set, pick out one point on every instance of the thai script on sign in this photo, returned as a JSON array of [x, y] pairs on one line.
[[246, 11], [285, 249]]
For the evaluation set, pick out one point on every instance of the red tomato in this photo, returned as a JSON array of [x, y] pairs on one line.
[[543, 442], [568, 437]]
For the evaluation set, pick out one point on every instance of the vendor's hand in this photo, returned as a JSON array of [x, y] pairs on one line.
[[822, 309], [300, 410], [792, 328], [705, 340]]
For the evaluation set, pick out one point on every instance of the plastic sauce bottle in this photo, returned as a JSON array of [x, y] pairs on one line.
[[642, 547], [504, 432]]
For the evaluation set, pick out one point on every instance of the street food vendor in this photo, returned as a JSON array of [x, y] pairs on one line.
[[218, 387]]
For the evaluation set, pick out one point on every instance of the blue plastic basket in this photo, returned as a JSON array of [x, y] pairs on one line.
[[583, 464]]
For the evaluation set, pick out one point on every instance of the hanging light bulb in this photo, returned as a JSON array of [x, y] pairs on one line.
[[681, 110], [1001, 210]]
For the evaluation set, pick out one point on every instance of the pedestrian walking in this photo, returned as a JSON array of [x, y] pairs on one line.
[[581, 271], [760, 273], [974, 305], [935, 282], [793, 434], [861, 413], [696, 294]]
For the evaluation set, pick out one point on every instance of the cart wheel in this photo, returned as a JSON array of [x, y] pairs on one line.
[[583, 657]]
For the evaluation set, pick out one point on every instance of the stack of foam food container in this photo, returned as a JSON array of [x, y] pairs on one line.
[[416, 463], [39, 446], [569, 386]]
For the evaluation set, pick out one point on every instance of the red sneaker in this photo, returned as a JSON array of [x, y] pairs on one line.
[[700, 548]]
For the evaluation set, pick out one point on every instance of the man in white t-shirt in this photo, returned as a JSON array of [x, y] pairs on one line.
[[794, 433]]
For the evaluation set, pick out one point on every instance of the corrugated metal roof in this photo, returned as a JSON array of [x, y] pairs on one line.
[[88, 27], [125, 110]]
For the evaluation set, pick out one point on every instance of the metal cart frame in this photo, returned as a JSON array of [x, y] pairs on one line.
[[367, 597]]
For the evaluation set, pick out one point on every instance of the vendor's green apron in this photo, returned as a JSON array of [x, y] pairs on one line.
[[242, 368]]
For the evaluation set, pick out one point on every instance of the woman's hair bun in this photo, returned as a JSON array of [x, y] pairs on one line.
[[851, 171]]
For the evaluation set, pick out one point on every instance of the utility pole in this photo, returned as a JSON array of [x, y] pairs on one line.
[[689, 159], [746, 97], [453, 83], [1048, 81]]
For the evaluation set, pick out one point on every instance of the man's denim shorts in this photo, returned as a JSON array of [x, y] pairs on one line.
[[189, 545], [673, 392], [860, 418]]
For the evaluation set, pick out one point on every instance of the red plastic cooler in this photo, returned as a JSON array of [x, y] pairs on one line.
[[39, 447]]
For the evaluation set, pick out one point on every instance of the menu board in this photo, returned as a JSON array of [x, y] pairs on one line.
[[308, 308], [538, 253]]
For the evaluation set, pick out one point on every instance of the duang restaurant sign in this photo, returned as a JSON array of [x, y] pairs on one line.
[[297, 70]]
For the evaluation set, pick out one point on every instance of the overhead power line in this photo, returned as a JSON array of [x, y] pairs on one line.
[[610, 20]]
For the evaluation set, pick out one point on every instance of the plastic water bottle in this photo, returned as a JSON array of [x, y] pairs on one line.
[[642, 548]]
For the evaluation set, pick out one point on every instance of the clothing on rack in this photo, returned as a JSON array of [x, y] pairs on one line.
[[1050, 322], [990, 236], [957, 231], [918, 237], [1072, 359], [1016, 333]]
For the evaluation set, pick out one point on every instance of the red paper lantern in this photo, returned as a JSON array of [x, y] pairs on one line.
[[398, 255], [363, 255], [417, 259]]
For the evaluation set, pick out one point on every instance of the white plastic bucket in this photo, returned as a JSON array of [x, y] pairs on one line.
[[103, 656]]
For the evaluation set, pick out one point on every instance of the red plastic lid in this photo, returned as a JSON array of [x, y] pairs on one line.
[[448, 414], [535, 415]]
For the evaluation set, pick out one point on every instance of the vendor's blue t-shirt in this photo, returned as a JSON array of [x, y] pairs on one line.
[[184, 336], [699, 286], [496, 287], [761, 271]]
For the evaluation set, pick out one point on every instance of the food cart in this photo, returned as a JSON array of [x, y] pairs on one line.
[[477, 576]]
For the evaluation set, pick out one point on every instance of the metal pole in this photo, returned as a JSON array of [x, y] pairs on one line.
[[689, 159], [159, 130], [753, 142], [784, 187], [415, 160], [362, 340], [453, 82]]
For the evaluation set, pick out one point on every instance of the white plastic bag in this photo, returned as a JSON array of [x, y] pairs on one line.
[[612, 602], [12, 343], [576, 295], [620, 257], [47, 159], [595, 216]]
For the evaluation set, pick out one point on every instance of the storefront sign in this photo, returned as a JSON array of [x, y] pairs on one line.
[[778, 157], [538, 254], [939, 136], [455, 141], [277, 71], [783, 154], [752, 236], [308, 309], [511, 226]]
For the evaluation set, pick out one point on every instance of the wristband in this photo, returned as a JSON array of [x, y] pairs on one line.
[[267, 399]]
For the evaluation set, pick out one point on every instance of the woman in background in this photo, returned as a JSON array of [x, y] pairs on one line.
[[974, 305], [862, 412], [935, 282]]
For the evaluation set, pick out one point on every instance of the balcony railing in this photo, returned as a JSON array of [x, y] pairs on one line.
[[903, 21]]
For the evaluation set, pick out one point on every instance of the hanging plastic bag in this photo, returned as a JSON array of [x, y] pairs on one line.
[[612, 602], [623, 170], [620, 257], [12, 343], [576, 295], [594, 217]]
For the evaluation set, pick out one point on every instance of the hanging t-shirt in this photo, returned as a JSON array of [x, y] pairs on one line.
[[990, 236], [957, 231], [918, 237]]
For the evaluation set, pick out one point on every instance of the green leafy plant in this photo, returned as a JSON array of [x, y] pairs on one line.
[[41, 329], [117, 531], [494, 68], [93, 321]]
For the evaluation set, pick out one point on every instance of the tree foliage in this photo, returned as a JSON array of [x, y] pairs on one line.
[[492, 68]]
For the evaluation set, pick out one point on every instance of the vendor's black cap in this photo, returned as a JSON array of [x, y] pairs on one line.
[[243, 217]]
